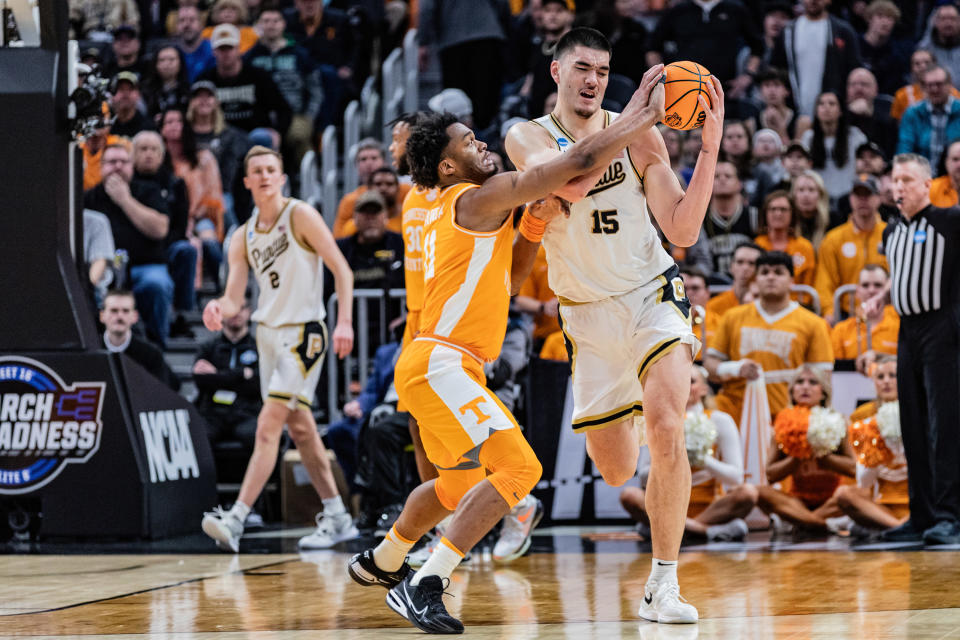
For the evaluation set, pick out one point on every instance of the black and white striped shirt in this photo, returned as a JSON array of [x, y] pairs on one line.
[[923, 254]]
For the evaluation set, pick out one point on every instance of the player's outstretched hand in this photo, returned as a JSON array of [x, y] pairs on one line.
[[713, 125], [213, 316], [647, 100], [343, 340], [548, 208]]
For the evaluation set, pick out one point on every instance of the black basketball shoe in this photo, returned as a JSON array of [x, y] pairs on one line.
[[365, 571], [423, 605]]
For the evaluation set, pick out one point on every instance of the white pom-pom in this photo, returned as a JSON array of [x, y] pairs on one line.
[[700, 435], [825, 431], [888, 424]]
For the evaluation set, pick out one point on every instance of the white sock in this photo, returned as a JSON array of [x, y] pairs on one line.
[[442, 562], [333, 506], [392, 550], [240, 510], [662, 571]]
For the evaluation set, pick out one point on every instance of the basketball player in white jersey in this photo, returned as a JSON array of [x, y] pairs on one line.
[[622, 305], [286, 243]]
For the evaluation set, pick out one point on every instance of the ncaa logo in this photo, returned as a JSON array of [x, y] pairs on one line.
[[45, 424], [919, 236], [563, 143]]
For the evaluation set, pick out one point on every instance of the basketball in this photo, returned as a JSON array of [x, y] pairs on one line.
[[683, 82]]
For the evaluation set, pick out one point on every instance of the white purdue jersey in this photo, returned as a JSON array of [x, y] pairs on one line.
[[289, 274], [608, 246]]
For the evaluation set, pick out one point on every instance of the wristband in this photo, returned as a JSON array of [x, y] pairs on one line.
[[730, 369], [532, 228]]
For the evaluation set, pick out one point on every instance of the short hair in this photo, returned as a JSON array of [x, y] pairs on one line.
[[121, 143], [695, 271], [581, 36], [426, 147], [383, 169], [884, 358], [874, 266], [882, 7], [937, 67], [120, 293], [747, 245], [371, 143], [916, 158], [775, 258], [148, 133], [773, 74], [260, 150], [410, 118]]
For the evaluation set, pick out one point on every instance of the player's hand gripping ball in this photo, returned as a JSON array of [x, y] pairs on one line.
[[683, 83]]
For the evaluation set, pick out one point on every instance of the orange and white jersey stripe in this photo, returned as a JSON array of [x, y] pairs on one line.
[[415, 207], [466, 278]]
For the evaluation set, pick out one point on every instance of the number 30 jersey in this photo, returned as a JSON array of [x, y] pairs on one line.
[[289, 273], [608, 246]]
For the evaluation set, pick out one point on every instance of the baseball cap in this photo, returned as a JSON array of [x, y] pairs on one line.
[[225, 35], [454, 101], [126, 76], [866, 181], [797, 146], [570, 5], [370, 201], [872, 147], [126, 30], [202, 85]]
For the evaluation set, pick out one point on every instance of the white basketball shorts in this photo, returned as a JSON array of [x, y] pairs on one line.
[[291, 358]]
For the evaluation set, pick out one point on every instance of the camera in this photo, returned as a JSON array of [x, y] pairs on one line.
[[90, 99]]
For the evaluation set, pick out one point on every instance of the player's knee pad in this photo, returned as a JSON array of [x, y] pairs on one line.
[[515, 469]]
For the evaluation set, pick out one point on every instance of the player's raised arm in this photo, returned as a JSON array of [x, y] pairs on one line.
[[310, 228], [230, 303], [680, 215]]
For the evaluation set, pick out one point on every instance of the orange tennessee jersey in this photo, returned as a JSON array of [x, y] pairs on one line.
[[415, 207], [721, 303], [779, 344], [466, 276], [883, 336]]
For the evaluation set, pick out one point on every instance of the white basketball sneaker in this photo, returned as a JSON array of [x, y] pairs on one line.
[[663, 603], [330, 531], [517, 528], [224, 527]]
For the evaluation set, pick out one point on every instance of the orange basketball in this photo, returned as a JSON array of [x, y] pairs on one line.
[[683, 82]]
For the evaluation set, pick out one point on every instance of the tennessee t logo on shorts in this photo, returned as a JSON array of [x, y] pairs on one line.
[[474, 405]]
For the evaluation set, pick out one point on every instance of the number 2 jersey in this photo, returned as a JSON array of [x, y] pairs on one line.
[[608, 246], [289, 273]]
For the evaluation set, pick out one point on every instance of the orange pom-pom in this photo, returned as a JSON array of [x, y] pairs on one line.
[[868, 444], [790, 432]]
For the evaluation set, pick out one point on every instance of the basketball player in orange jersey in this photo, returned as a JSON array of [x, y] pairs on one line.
[[623, 309], [471, 267]]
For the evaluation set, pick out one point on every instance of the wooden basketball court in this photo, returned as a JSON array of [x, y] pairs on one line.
[[571, 586]]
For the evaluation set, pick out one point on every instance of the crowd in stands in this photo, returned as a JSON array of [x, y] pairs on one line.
[[820, 97]]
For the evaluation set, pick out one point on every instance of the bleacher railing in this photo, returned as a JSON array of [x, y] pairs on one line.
[[328, 171], [394, 83], [351, 136], [362, 299], [411, 55], [846, 290]]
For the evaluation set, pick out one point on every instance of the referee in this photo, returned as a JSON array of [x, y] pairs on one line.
[[922, 249]]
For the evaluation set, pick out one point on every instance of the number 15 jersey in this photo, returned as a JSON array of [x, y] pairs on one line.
[[288, 272], [608, 246]]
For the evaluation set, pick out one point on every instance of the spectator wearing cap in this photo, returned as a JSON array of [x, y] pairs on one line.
[[909, 95], [882, 54], [197, 51], [871, 159], [875, 331], [818, 51], [370, 157], [376, 257], [776, 113], [140, 221], [248, 96], [470, 51], [97, 20], [944, 189], [295, 74], [556, 19], [768, 168], [796, 159], [943, 41], [385, 181], [227, 143], [704, 32], [166, 86], [126, 53], [233, 12], [929, 125], [869, 113], [453, 101], [125, 103], [855, 243]]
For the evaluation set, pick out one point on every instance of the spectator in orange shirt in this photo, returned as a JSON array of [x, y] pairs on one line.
[[370, 157], [742, 268], [778, 232], [233, 12], [846, 249], [943, 190], [93, 148], [907, 96], [876, 332], [386, 181], [537, 299]]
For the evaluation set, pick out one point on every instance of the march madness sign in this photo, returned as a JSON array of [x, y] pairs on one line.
[[45, 424]]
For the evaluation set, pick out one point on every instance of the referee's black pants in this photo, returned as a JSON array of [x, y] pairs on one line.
[[928, 383]]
